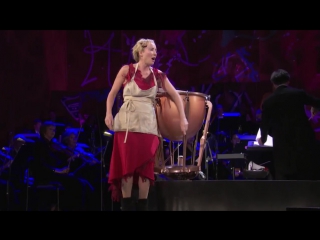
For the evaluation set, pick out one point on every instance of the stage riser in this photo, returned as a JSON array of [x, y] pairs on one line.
[[238, 195]]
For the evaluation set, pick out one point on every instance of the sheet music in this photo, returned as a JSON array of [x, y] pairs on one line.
[[268, 143]]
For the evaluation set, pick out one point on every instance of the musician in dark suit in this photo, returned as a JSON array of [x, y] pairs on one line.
[[12, 172], [284, 118], [46, 167]]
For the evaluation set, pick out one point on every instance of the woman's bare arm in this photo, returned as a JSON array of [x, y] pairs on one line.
[[170, 89], [120, 78]]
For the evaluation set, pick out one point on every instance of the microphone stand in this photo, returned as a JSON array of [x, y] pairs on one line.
[[101, 154], [102, 171]]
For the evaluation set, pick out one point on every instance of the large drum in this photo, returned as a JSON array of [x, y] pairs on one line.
[[168, 116]]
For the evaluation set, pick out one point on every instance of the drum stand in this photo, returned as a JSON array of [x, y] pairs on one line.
[[181, 171], [207, 157], [204, 143]]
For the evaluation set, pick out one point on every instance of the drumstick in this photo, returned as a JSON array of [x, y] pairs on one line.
[[204, 136]]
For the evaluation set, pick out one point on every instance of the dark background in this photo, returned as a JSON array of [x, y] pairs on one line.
[[71, 71]]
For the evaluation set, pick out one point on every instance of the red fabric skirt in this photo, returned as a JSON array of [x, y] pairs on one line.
[[133, 158]]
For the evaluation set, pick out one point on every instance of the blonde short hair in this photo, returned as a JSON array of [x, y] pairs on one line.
[[139, 46]]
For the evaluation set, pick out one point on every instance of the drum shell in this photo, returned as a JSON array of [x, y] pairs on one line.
[[169, 119]]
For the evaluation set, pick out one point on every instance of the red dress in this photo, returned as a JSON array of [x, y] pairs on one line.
[[135, 157]]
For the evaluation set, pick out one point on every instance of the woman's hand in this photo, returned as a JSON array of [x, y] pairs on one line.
[[184, 125], [109, 121]]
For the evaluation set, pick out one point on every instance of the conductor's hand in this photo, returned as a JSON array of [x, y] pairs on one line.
[[260, 142], [314, 112], [184, 125], [109, 121]]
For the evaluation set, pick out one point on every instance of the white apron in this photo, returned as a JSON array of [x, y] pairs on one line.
[[137, 113]]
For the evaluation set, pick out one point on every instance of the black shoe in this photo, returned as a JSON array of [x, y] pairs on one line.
[[127, 204], [142, 205]]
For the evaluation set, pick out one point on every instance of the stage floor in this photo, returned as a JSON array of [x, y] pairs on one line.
[[234, 195]]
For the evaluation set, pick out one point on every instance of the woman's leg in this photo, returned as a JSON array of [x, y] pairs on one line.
[[144, 186], [126, 189], [126, 186]]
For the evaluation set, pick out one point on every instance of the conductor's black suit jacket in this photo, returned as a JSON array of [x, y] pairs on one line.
[[294, 144]]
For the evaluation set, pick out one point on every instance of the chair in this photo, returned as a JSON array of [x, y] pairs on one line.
[[51, 186]]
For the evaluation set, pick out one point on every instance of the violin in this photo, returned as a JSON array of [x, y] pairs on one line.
[[57, 147], [86, 157], [75, 153], [80, 153], [61, 148]]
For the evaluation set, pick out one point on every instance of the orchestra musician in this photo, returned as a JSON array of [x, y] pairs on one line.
[[10, 154], [82, 164], [12, 172], [47, 166], [18, 154]]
